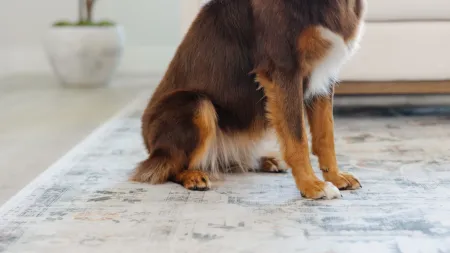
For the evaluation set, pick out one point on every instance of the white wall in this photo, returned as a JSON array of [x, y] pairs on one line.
[[153, 31]]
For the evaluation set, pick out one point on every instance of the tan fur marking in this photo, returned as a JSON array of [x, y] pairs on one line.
[[320, 117], [312, 49], [206, 121]]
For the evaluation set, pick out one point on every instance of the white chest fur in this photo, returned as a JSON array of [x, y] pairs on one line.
[[325, 74]]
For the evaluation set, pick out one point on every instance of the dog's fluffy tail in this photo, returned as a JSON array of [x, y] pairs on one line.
[[156, 169]]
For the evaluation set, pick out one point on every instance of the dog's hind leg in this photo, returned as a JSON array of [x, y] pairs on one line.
[[177, 130]]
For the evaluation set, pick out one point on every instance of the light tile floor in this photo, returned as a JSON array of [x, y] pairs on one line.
[[40, 122]]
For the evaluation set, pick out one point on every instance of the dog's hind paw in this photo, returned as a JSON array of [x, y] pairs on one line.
[[272, 165], [194, 180]]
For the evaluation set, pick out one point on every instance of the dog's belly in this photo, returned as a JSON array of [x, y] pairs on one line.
[[326, 72], [238, 152]]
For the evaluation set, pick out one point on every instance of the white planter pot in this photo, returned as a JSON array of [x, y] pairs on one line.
[[84, 57]]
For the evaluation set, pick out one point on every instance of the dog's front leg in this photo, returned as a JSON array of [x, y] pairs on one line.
[[320, 117], [286, 113]]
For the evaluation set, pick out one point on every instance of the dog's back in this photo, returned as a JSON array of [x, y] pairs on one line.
[[215, 59]]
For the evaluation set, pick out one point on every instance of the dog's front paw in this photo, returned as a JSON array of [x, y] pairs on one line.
[[342, 180], [316, 189]]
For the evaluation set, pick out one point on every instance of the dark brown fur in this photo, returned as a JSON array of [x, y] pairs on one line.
[[230, 43]]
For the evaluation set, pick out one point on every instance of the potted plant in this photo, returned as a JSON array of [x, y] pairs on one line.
[[85, 53]]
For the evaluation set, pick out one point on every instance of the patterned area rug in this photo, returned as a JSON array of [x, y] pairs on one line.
[[84, 203]]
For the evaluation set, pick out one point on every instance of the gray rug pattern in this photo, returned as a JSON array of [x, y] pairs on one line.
[[85, 204]]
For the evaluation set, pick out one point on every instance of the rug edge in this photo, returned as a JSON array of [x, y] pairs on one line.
[[53, 168]]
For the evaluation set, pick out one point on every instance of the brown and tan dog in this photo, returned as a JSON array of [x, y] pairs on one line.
[[209, 114]]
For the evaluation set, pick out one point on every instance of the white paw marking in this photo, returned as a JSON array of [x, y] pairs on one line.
[[331, 191]]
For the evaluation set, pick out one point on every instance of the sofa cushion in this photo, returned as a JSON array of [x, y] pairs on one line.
[[393, 51], [387, 10]]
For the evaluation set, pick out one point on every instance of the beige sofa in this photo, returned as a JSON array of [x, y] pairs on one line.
[[405, 52], [405, 40]]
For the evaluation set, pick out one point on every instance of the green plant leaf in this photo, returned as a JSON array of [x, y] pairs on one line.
[[84, 23], [63, 23]]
